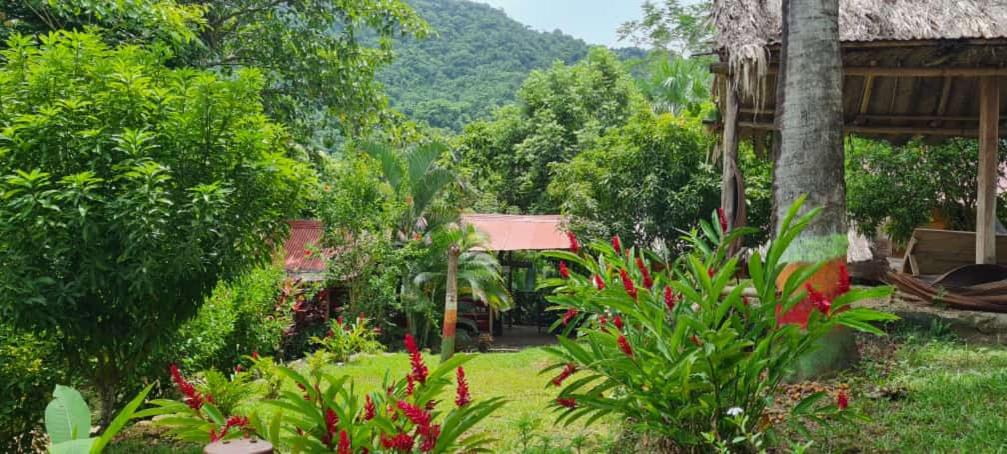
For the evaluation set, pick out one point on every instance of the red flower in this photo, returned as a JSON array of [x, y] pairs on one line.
[[844, 280], [420, 371], [617, 321], [463, 398], [568, 370], [602, 320], [400, 443], [625, 347], [710, 272], [238, 369], [744, 300], [669, 298], [566, 402], [213, 435], [617, 244], [416, 415], [695, 340], [723, 220], [563, 271], [410, 384], [331, 421], [647, 280], [193, 398], [842, 401], [255, 356], [569, 315], [818, 299], [368, 408], [344, 443], [598, 282], [628, 283], [574, 244], [233, 421], [339, 320], [430, 438]]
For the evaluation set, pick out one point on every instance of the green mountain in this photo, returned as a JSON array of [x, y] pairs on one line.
[[474, 64]]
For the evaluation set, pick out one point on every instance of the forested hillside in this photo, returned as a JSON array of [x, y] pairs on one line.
[[475, 62]]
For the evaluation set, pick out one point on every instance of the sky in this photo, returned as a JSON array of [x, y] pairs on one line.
[[594, 21]]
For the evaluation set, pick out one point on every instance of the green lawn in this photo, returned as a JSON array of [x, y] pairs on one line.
[[922, 395]]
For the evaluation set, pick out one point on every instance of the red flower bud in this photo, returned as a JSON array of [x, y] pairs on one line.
[[617, 321], [669, 298], [463, 397], [569, 315], [818, 299], [617, 244], [563, 271], [647, 280], [842, 401], [420, 371], [369, 409], [624, 346], [598, 282], [574, 244], [344, 443], [723, 220], [628, 283], [566, 402], [568, 370]]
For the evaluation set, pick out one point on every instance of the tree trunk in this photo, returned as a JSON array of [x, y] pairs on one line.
[[450, 306], [811, 157]]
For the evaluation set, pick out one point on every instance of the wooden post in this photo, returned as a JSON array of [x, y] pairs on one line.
[[729, 144], [989, 118]]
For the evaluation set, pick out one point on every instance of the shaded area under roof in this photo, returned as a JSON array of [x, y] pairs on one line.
[[509, 232]]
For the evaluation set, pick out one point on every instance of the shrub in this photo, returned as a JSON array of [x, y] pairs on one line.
[[345, 339], [68, 422], [130, 190], [238, 318], [28, 368], [681, 355]]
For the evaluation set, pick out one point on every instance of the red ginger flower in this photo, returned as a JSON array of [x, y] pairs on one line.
[[617, 321], [723, 219], [399, 443], [818, 299], [463, 398], [844, 280], [416, 415], [193, 398], [842, 401], [710, 272], [331, 420], [569, 315], [568, 370], [669, 298], [566, 402], [255, 355], [628, 283], [647, 280], [369, 409], [574, 244], [430, 438], [233, 421], [617, 244], [598, 282], [344, 443], [624, 346], [420, 371], [564, 272], [410, 384]]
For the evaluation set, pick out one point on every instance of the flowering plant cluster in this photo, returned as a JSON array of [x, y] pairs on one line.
[[325, 414], [347, 338], [681, 353]]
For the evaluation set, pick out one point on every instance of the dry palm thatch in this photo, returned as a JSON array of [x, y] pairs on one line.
[[970, 287], [745, 29]]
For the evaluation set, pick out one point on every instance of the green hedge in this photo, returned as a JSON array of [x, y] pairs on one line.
[[28, 371]]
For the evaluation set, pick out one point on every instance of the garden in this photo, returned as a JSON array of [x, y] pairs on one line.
[[228, 225]]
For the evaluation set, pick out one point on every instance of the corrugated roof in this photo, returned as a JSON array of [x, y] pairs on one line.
[[301, 248], [509, 232]]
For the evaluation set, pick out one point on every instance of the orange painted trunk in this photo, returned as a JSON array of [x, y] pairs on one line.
[[826, 280]]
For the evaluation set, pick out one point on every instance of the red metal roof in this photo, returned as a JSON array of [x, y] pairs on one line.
[[508, 232], [302, 253]]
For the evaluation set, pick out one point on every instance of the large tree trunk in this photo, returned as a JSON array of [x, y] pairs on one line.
[[450, 306], [811, 156]]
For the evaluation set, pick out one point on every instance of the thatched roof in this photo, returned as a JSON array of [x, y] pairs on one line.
[[746, 23]]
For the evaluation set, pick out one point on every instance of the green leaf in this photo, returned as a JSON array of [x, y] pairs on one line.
[[120, 420], [67, 416], [78, 446]]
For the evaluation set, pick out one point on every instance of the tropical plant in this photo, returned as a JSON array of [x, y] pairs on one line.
[[675, 84], [129, 190], [328, 415], [68, 422], [29, 365], [347, 338], [683, 355]]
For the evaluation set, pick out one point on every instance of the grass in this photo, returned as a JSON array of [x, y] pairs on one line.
[[922, 393]]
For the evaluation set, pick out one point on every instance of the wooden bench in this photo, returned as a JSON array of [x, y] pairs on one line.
[[932, 251]]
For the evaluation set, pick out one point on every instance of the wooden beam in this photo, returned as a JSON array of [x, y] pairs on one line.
[[865, 97], [886, 130], [942, 103], [882, 117], [989, 122], [729, 148], [880, 71]]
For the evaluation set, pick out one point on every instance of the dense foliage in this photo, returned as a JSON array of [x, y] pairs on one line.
[[645, 181], [896, 189], [682, 355], [560, 113], [128, 191], [473, 63], [29, 365]]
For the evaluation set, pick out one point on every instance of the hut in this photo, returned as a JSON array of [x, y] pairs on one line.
[[930, 69]]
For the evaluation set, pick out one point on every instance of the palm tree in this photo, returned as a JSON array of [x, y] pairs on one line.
[[675, 84], [468, 264], [811, 154]]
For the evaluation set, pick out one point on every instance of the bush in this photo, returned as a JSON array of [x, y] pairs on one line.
[[29, 367], [675, 355], [345, 339], [238, 318]]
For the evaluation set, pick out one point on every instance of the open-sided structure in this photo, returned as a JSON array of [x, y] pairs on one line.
[[911, 68]]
